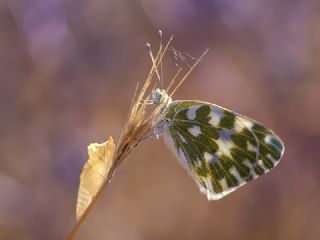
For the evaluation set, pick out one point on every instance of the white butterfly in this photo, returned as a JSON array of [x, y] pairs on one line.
[[221, 150]]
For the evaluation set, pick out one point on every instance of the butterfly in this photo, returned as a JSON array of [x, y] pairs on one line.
[[221, 149]]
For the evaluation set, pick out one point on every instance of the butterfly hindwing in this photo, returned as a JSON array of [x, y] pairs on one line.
[[222, 150]]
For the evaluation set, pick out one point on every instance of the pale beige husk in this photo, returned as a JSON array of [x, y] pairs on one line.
[[94, 173]]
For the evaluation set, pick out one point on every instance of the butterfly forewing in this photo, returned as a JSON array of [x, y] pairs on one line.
[[222, 150]]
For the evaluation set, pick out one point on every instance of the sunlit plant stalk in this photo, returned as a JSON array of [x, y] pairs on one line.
[[140, 125]]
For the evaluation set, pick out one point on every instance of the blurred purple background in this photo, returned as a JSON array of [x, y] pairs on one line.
[[68, 70]]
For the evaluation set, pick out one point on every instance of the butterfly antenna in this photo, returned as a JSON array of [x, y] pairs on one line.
[[189, 71], [154, 62], [160, 49], [173, 79]]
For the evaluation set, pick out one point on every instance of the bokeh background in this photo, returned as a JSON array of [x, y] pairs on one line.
[[68, 70]]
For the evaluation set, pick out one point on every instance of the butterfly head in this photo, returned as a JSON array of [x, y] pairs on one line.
[[160, 96]]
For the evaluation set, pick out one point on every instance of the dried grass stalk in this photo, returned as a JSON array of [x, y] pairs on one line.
[[139, 126]]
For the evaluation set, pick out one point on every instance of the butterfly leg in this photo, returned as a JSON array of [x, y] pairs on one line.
[[158, 130], [151, 136]]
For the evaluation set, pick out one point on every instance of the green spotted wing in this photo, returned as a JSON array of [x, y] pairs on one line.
[[221, 150]]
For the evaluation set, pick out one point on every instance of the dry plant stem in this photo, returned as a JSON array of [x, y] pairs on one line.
[[94, 200], [135, 129], [138, 125]]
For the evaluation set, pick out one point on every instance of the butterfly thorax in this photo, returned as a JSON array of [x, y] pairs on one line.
[[160, 96]]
